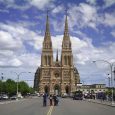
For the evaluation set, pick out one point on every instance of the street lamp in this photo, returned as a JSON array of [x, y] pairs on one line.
[[1, 82], [109, 78], [114, 76], [18, 75], [111, 66]]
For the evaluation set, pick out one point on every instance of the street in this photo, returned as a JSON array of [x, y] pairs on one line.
[[66, 107]]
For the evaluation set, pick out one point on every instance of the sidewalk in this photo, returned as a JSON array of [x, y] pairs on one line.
[[108, 103]]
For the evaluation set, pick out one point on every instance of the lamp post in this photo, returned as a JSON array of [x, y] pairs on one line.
[[111, 66], [18, 75], [114, 76], [109, 79], [1, 82]]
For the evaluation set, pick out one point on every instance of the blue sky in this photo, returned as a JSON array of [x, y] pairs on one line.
[[91, 27]]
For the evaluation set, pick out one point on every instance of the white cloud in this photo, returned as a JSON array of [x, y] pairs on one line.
[[40, 4], [15, 62], [58, 9], [8, 42], [109, 19], [83, 15], [108, 3], [7, 1], [113, 33], [92, 2]]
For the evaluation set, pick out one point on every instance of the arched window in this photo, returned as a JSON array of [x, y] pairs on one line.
[[45, 60], [69, 60], [57, 89], [67, 90], [65, 59], [46, 89], [49, 60]]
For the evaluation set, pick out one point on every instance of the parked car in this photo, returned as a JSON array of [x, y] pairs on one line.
[[75, 97], [14, 97], [4, 97], [64, 95], [78, 95]]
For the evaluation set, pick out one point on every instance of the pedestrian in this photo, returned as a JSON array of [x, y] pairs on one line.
[[45, 99], [51, 100], [57, 100], [54, 99]]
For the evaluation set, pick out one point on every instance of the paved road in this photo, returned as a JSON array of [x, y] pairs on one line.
[[65, 107]]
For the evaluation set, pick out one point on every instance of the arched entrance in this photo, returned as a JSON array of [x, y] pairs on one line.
[[67, 90], [46, 89], [57, 89]]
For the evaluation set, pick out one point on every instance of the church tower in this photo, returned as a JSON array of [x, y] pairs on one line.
[[68, 80], [47, 52], [56, 76], [46, 60]]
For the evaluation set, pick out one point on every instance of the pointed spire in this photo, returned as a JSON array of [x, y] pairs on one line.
[[66, 33], [47, 32], [57, 56], [47, 22], [66, 38]]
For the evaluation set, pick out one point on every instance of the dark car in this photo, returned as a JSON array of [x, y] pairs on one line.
[[78, 95]]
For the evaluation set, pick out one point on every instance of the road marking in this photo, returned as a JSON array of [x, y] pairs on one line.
[[50, 110]]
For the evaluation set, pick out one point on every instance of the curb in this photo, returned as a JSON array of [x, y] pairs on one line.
[[100, 103]]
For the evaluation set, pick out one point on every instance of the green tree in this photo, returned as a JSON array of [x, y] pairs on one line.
[[31, 90], [23, 88], [10, 87], [0, 86]]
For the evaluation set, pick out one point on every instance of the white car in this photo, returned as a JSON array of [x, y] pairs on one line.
[[5, 97]]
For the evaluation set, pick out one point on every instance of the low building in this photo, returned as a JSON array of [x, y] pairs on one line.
[[93, 88]]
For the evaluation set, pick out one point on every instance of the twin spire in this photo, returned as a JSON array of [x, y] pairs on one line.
[[47, 32], [47, 37]]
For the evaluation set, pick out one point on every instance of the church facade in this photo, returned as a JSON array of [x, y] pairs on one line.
[[59, 76]]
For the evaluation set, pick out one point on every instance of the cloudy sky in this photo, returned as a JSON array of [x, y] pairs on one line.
[[91, 27]]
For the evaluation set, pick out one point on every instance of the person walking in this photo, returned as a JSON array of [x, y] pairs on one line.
[[54, 99], [57, 100], [45, 99], [51, 100]]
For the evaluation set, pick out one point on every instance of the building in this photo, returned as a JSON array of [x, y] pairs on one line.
[[93, 88], [59, 76]]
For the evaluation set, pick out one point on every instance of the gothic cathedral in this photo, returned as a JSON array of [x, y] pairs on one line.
[[59, 76]]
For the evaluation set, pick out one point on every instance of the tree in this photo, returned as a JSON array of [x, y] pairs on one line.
[[23, 88], [10, 87], [0, 86], [31, 90]]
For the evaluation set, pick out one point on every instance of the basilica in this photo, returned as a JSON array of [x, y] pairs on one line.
[[57, 76]]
